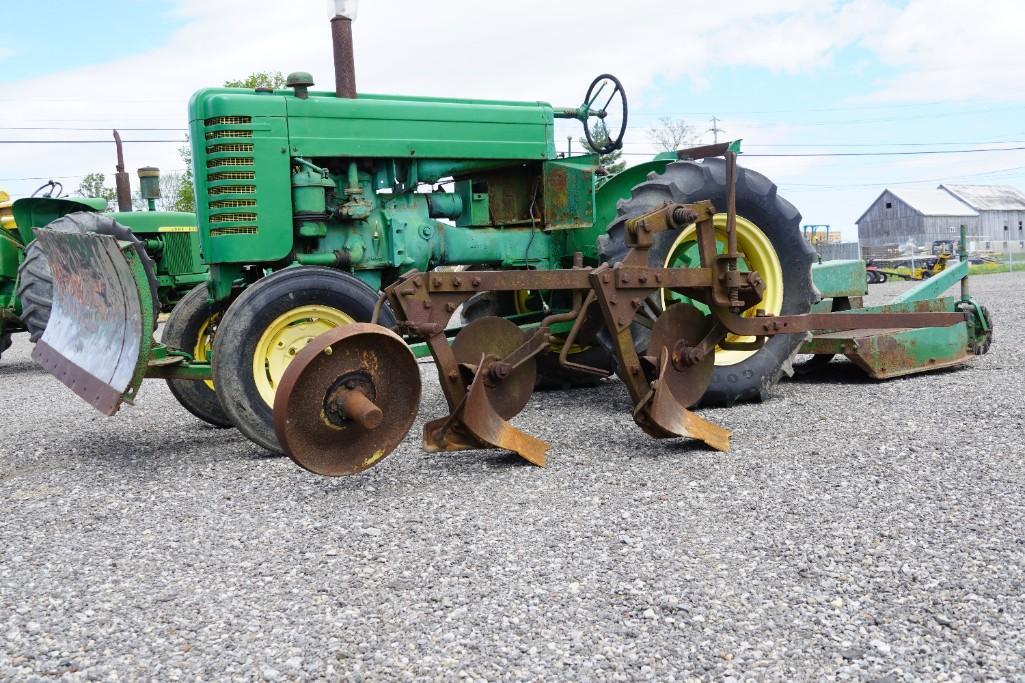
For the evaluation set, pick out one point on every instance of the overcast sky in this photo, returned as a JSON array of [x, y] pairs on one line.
[[789, 77]]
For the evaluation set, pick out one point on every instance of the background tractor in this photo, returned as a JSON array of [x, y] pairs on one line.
[[310, 204], [168, 239]]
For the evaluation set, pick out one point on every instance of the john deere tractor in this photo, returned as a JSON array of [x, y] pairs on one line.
[[309, 202], [166, 240], [321, 213]]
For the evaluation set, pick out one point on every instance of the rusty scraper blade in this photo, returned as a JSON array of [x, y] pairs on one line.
[[481, 420], [667, 413], [93, 339]]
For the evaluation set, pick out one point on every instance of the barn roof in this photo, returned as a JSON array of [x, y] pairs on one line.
[[926, 202], [988, 197]]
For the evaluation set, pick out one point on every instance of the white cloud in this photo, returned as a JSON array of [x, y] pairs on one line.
[[953, 50], [531, 49]]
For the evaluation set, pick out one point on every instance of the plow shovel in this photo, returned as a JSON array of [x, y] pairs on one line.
[[99, 336]]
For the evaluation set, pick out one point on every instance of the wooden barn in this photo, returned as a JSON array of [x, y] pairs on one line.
[[898, 217]]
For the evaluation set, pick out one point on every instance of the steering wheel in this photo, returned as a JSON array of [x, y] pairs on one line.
[[613, 111]]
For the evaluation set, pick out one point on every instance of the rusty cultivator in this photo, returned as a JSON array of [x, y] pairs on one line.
[[350, 396]]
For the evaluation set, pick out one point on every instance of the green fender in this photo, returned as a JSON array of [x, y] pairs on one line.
[[35, 212]]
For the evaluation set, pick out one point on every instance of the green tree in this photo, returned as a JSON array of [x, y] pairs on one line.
[[185, 194], [94, 185], [260, 79], [613, 161]]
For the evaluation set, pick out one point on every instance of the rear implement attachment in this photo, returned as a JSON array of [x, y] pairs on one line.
[[487, 372]]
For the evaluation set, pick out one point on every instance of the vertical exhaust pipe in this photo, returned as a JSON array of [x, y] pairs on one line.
[[124, 188], [341, 40]]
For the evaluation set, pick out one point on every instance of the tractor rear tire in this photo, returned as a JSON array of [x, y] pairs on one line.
[[757, 200], [35, 281], [280, 314], [191, 322]]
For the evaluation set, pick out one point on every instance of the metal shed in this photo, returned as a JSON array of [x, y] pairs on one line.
[[1001, 210]]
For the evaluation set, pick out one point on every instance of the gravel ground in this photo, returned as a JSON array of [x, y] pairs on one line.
[[858, 531]]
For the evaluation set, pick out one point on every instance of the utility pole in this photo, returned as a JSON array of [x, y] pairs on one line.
[[715, 129], [569, 145]]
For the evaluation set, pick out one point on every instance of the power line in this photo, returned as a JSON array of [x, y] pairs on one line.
[[79, 175], [81, 142], [107, 128], [917, 152], [835, 186]]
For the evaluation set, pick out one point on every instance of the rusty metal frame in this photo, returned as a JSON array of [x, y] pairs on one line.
[[425, 302]]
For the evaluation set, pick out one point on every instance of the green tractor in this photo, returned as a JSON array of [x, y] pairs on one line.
[[311, 203], [168, 241]]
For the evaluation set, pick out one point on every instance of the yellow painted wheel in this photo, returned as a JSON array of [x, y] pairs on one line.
[[203, 349], [288, 334], [758, 255]]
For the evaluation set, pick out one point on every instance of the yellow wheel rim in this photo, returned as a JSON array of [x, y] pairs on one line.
[[758, 255], [285, 337], [205, 343]]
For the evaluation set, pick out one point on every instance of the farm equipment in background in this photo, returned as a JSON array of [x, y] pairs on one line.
[[325, 216], [884, 354], [876, 274], [168, 239]]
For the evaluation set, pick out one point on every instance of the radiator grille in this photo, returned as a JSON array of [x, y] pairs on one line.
[[229, 147], [234, 218], [231, 175], [235, 230], [229, 134], [178, 255], [229, 161], [229, 120], [232, 203], [243, 218], [233, 189]]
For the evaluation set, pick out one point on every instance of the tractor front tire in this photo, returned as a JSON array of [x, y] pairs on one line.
[[35, 281], [267, 325], [5, 342], [776, 227], [190, 328]]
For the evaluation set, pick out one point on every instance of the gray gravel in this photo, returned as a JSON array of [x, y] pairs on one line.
[[858, 531]]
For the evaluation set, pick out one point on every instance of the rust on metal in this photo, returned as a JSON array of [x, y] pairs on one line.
[[121, 183], [487, 373], [480, 418], [702, 152], [494, 340], [347, 400], [679, 333], [345, 63]]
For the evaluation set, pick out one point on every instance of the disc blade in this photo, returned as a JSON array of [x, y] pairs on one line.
[[682, 323], [498, 337], [309, 420]]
